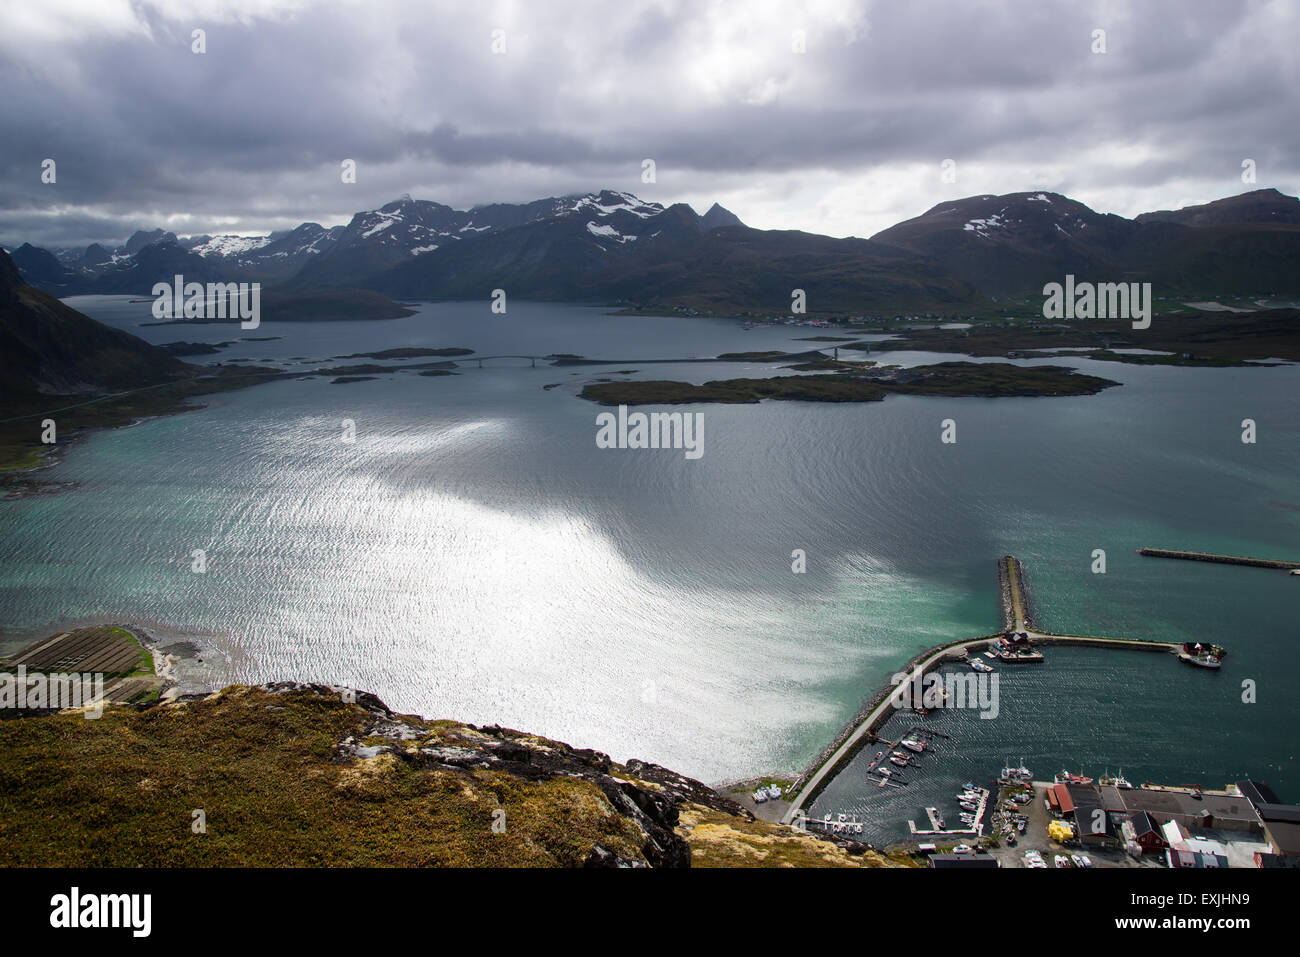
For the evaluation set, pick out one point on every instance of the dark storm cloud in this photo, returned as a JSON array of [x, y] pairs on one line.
[[845, 138]]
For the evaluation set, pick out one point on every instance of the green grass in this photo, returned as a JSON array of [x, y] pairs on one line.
[[264, 768]]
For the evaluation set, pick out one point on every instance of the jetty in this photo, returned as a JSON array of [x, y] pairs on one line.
[[1221, 559], [1018, 618], [937, 829]]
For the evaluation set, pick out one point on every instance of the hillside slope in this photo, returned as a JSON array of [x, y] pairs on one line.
[[295, 775], [49, 348], [1012, 245]]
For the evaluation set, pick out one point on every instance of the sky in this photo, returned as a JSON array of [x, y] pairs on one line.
[[830, 116]]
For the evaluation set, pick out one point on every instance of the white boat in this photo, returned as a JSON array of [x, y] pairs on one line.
[[977, 665], [1201, 660], [1118, 781], [913, 745], [1020, 775]]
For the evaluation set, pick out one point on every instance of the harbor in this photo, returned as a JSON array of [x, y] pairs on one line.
[[1020, 641]]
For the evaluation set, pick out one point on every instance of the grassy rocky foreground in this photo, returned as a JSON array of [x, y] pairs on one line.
[[859, 385], [305, 775]]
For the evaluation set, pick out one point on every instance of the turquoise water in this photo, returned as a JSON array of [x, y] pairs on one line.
[[474, 555]]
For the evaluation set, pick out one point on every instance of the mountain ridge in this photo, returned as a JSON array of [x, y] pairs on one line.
[[610, 246]]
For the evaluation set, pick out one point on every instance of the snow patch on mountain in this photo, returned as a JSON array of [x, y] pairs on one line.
[[383, 224], [615, 202], [603, 231], [981, 227], [230, 245]]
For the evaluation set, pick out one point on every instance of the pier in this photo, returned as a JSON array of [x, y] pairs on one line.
[[1221, 559], [1017, 618], [975, 830]]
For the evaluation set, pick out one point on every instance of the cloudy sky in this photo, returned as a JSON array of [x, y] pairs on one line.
[[845, 138]]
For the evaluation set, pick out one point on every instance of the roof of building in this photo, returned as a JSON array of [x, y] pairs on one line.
[[1284, 836], [1092, 819], [1222, 807], [1257, 792], [1181, 855], [1063, 800], [1142, 824], [963, 860], [1290, 813], [1112, 799]]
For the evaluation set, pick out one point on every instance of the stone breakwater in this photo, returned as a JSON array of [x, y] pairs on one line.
[[1220, 559]]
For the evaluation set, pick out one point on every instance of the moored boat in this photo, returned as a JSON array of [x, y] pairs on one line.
[[1067, 777], [1203, 656]]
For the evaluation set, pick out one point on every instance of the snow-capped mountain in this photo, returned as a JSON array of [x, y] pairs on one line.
[[389, 236], [1014, 244], [613, 246]]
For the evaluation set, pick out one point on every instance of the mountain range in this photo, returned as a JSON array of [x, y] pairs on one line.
[[613, 247]]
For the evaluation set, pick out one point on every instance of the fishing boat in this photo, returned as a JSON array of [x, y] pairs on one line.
[[1066, 777], [1118, 781], [1020, 775], [1203, 656]]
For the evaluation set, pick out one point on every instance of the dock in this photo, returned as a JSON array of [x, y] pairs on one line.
[[976, 829], [1221, 559]]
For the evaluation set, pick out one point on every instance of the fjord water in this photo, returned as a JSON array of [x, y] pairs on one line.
[[474, 555]]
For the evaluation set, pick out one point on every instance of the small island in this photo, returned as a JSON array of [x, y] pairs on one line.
[[973, 379]]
